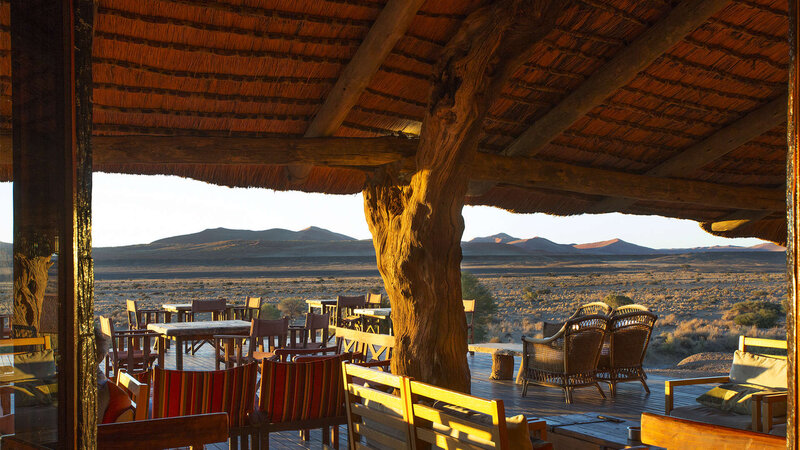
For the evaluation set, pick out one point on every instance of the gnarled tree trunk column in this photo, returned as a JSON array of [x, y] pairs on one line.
[[417, 225]]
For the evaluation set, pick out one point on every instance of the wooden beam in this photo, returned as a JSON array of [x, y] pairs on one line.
[[793, 232], [391, 24], [375, 152], [738, 219], [530, 172], [682, 20], [719, 144]]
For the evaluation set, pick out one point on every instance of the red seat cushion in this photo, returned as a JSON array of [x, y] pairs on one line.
[[118, 403]]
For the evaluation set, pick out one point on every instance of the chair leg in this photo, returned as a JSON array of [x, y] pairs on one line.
[[524, 387], [597, 385], [305, 434], [644, 384], [326, 437], [264, 440], [335, 436], [568, 395]]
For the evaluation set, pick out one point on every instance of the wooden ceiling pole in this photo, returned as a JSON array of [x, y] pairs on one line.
[[719, 144], [682, 20], [417, 225], [793, 237], [389, 27]]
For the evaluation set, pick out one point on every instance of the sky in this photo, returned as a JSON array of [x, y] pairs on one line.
[[137, 209]]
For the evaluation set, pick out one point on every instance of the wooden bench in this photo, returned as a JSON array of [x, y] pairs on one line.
[[679, 434], [391, 411]]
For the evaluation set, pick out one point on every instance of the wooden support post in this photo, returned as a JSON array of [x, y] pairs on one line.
[[50, 113], [417, 225], [793, 230]]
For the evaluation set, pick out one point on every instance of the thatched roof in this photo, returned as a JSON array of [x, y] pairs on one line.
[[264, 68]]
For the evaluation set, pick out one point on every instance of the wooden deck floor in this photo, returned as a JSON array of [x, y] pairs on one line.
[[630, 402]]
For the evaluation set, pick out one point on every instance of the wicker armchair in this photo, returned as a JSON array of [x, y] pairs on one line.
[[568, 359], [628, 337], [550, 328]]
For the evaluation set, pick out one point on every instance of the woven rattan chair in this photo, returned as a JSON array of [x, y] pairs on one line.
[[568, 359], [551, 328], [628, 337]]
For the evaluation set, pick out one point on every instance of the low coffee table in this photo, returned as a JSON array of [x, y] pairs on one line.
[[587, 430]]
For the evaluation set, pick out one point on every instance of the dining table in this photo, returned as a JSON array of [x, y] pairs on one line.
[[193, 331], [182, 308]]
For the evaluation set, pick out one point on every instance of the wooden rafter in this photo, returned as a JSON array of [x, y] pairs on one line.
[[389, 27], [364, 153], [678, 23], [714, 147]]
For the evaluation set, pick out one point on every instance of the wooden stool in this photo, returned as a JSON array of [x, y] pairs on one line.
[[502, 365]]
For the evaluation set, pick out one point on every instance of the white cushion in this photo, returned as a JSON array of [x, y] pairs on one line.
[[749, 368]]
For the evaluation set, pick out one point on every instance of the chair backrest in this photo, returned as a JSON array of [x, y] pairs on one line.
[[469, 310], [194, 431], [138, 392], [215, 307], [374, 300], [447, 419], [254, 302], [629, 335], [183, 393], [18, 346], [376, 408], [593, 308], [107, 330], [747, 344], [582, 342], [133, 316], [317, 323], [624, 309], [345, 304], [252, 308], [267, 335], [297, 391], [370, 346]]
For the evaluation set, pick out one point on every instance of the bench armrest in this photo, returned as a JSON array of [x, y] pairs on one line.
[[669, 385], [537, 428], [763, 421]]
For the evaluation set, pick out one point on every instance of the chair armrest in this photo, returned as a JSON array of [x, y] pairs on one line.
[[537, 428], [669, 386], [286, 353], [547, 340], [763, 422], [137, 333]]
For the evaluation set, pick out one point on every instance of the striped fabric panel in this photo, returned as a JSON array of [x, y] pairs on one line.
[[183, 393], [292, 391]]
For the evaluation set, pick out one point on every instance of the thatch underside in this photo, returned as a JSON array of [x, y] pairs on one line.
[[265, 67]]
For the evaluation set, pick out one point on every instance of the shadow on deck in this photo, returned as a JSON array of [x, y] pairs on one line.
[[630, 401]]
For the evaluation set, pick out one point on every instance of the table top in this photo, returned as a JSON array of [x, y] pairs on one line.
[[374, 312], [591, 428], [202, 327], [175, 307], [494, 347], [321, 301]]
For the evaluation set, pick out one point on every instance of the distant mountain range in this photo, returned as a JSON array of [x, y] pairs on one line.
[[234, 246], [611, 247]]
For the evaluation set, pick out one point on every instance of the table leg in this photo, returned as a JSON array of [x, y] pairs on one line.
[[162, 341], [178, 353], [167, 317], [520, 379]]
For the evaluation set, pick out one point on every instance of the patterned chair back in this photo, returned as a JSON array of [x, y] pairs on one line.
[[183, 393], [296, 391]]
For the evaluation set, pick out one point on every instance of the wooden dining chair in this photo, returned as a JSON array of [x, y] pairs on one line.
[[130, 349], [139, 318], [182, 393], [372, 324], [251, 309], [138, 391], [316, 324], [265, 336], [344, 310], [218, 310], [469, 315]]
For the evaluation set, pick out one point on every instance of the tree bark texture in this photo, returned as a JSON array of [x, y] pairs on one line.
[[30, 282], [416, 224]]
